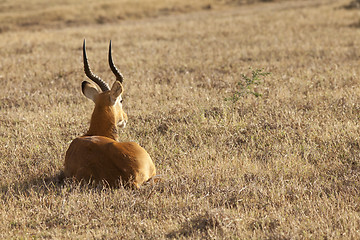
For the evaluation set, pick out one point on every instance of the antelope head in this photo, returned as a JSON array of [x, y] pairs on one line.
[[108, 113]]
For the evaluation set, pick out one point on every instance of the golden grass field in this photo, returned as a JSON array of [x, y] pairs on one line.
[[285, 165]]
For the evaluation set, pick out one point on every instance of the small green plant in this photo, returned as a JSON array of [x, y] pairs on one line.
[[247, 85]]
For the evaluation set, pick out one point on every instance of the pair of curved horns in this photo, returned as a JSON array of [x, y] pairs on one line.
[[103, 85]]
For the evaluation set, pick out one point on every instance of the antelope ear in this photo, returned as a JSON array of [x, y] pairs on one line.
[[115, 91], [89, 90]]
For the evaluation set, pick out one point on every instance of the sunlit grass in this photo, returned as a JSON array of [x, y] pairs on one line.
[[283, 165]]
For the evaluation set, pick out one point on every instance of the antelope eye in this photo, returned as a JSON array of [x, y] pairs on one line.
[[121, 100]]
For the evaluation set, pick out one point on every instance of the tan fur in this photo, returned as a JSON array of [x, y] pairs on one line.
[[101, 158], [98, 156]]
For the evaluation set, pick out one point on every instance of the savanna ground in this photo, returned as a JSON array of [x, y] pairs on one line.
[[284, 165]]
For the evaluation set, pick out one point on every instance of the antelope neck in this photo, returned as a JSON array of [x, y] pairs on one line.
[[103, 123]]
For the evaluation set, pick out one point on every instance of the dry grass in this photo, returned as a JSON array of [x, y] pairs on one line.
[[282, 166], [37, 14]]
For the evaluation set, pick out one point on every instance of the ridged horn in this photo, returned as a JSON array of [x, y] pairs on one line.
[[103, 85], [119, 76]]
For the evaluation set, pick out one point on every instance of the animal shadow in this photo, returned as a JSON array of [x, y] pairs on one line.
[[39, 184]]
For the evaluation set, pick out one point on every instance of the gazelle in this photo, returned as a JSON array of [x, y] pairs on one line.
[[98, 156]]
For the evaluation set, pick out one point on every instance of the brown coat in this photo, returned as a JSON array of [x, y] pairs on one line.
[[100, 158]]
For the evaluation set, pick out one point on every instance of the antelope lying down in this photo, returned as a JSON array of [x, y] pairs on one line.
[[98, 156]]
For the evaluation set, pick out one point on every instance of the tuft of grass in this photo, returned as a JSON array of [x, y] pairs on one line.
[[248, 85]]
